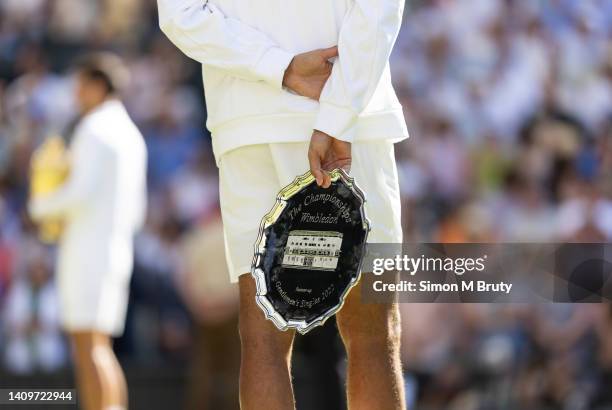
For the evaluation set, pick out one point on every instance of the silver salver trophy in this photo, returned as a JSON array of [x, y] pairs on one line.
[[309, 251]]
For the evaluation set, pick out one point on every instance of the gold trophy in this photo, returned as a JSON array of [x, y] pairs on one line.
[[49, 170]]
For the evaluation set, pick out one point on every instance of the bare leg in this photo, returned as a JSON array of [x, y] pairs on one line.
[[100, 380], [119, 384], [265, 377], [371, 335]]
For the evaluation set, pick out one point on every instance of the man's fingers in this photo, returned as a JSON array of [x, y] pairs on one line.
[[345, 164], [326, 180], [315, 167], [330, 52], [320, 143], [320, 176]]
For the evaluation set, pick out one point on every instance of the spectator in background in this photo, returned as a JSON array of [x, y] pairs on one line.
[[31, 318], [213, 302]]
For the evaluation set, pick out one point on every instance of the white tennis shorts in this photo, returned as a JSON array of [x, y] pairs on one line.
[[250, 177]]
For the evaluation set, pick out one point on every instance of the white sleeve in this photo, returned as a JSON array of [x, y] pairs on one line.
[[85, 174], [367, 36], [201, 31]]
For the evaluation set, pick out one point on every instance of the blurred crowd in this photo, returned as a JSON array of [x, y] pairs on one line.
[[509, 106]]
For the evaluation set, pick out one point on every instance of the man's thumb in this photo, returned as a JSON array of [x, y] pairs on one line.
[[330, 52]]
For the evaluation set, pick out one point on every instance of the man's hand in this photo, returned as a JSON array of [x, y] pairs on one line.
[[308, 72], [326, 154]]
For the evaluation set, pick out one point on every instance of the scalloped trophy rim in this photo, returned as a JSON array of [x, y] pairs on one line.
[[299, 183]]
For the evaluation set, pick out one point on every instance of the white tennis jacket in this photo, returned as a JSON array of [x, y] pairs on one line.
[[103, 202], [246, 45]]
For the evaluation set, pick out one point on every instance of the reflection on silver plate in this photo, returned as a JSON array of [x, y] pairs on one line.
[[309, 251]]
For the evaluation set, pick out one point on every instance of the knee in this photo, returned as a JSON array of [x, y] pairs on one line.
[[259, 338], [88, 348], [82, 343], [377, 333], [251, 335]]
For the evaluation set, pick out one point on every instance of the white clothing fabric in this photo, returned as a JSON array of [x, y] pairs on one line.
[[252, 176], [246, 46]]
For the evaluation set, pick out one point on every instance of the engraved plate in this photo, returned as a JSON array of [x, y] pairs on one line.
[[309, 251]]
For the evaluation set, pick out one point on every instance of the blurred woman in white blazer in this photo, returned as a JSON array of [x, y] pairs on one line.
[[102, 204]]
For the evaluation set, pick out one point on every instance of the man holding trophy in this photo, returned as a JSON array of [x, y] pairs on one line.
[[101, 203], [291, 87]]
